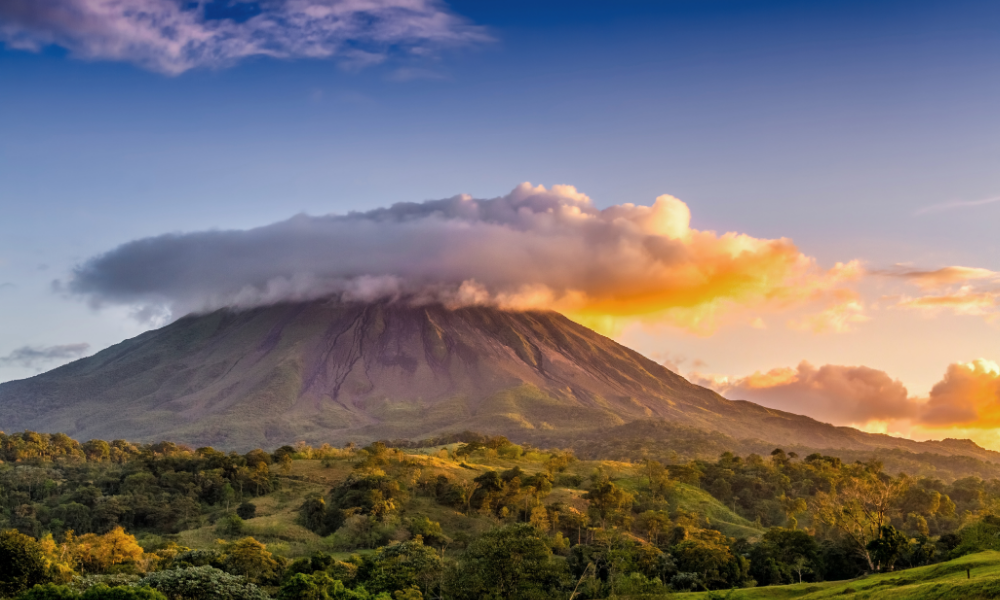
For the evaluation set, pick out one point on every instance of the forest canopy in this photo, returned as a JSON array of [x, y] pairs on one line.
[[467, 516]]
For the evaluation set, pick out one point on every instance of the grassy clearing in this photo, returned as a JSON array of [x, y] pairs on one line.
[[719, 515], [944, 581], [277, 512]]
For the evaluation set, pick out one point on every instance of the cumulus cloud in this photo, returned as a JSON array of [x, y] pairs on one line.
[[33, 356], [841, 395], [965, 402], [533, 248], [967, 396], [173, 36]]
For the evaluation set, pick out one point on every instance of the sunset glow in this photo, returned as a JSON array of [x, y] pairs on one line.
[[740, 195]]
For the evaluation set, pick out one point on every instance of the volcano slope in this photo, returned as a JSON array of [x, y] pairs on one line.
[[326, 371]]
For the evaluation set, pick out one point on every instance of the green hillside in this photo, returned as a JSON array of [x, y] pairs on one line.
[[277, 512], [972, 577], [358, 519]]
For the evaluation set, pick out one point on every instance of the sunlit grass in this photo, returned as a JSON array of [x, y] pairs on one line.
[[943, 581]]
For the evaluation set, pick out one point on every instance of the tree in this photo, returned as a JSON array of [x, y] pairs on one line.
[[657, 478], [713, 561], [430, 531], [781, 552], [228, 495], [540, 518], [58, 558], [792, 507], [99, 553], [49, 591], [229, 525], [246, 510], [22, 564], [574, 521], [607, 500], [860, 508], [103, 592], [249, 558], [887, 547], [509, 562], [97, 450], [654, 523], [303, 586], [312, 515], [400, 566], [411, 593], [203, 583]]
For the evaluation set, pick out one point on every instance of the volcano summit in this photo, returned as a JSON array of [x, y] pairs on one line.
[[327, 371]]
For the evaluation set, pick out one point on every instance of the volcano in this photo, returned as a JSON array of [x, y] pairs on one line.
[[327, 371]]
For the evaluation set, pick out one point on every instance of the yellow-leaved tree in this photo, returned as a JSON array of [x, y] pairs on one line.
[[250, 558], [59, 559], [99, 553]]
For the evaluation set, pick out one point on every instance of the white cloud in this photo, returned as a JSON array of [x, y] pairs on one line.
[[533, 248], [957, 204]]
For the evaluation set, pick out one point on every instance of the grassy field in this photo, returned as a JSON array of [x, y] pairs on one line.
[[275, 523], [944, 581]]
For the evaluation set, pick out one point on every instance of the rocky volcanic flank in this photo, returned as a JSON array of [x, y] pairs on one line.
[[326, 371]]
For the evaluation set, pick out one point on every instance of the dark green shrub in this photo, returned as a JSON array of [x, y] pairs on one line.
[[21, 563], [247, 510], [203, 583]]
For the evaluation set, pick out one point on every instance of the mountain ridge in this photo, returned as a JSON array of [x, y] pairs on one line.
[[326, 371]]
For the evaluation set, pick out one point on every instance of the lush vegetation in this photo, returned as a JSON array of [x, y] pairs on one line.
[[468, 517]]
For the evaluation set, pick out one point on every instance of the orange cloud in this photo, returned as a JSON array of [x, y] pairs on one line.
[[947, 276], [965, 301], [839, 318], [534, 248], [686, 276], [958, 290], [968, 396], [965, 403], [836, 394]]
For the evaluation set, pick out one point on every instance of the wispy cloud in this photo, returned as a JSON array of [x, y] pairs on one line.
[[416, 74], [34, 356], [173, 36], [955, 205], [965, 301], [937, 278], [841, 317], [956, 289]]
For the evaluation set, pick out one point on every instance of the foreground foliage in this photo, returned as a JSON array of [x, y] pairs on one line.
[[476, 518]]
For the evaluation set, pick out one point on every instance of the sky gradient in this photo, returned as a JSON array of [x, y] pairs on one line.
[[853, 146]]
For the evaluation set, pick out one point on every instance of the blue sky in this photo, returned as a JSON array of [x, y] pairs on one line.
[[835, 124]]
